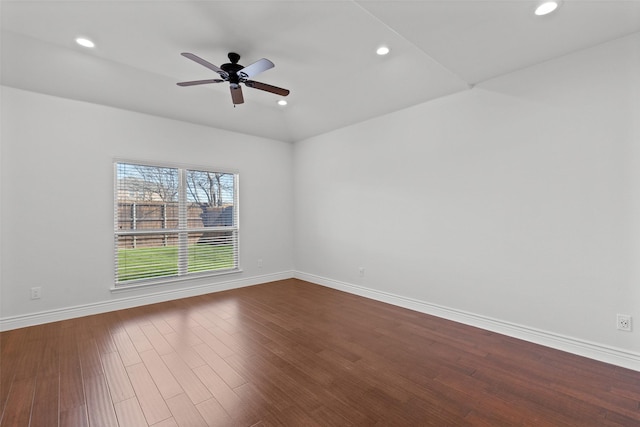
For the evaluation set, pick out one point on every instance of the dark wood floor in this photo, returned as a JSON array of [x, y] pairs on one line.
[[295, 354]]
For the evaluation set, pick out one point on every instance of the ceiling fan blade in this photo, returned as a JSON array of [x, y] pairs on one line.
[[200, 82], [236, 94], [256, 68], [268, 88], [207, 64]]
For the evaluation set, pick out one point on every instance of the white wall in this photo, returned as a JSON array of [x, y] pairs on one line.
[[513, 204], [57, 201]]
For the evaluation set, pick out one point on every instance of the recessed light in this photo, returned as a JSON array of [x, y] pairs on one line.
[[282, 103], [85, 42], [382, 50], [546, 7]]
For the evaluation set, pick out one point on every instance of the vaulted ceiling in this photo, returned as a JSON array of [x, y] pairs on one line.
[[323, 50]]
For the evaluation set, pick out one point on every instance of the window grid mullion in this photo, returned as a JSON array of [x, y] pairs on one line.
[[183, 236]]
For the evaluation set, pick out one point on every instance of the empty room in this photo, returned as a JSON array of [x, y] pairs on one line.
[[319, 213]]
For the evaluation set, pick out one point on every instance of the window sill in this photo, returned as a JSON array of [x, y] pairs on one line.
[[154, 283]]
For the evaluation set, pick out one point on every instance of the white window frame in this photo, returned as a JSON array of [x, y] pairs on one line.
[[182, 231]]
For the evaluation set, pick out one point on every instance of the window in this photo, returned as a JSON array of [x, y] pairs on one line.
[[172, 222]]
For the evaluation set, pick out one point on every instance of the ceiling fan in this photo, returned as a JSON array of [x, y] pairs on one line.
[[235, 74]]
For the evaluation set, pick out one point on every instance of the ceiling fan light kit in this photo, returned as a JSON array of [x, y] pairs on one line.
[[85, 42], [545, 7], [235, 74]]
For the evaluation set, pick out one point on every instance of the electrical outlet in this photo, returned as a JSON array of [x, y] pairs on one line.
[[623, 322], [260, 263], [361, 271], [36, 293]]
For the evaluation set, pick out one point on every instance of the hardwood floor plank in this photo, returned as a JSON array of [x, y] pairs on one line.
[[26, 365], [74, 417], [125, 347], [161, 325], [187, 379], [100, 407], [202, 320], [89, 357], [150, 399], [223, 320], [285, 383], [261, 381], [50, 363], [17, 411], [45, 411], [180, 321], [223, 394], [214, 414], [101, 333], [220, 366], [623, 388], [71, 376], [170, 422], [253, 408], [328, 417], [156, 339], [535, 396], [138, 338], [212, 341], [295, 416], [184, 348], [615, 418], [9, 349], [185, 412], [235, 341], [116, 375], [129, 413], [162, 376]]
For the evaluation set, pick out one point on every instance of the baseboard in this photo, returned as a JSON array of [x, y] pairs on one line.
[[614, 356], [48, 316]]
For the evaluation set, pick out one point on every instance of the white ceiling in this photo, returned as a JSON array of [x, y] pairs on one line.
[[324, 52]]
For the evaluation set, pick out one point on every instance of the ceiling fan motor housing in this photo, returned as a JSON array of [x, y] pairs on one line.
[[233, 67]]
